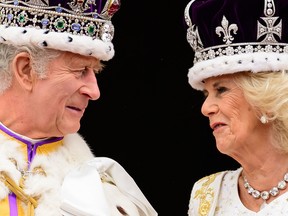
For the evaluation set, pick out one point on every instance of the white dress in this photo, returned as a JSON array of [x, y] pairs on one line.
[[217, 195]]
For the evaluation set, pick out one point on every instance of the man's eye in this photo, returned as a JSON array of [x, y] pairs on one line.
[[84, 71], [81, 73]]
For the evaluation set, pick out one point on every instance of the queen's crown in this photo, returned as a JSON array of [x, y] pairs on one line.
[[229, 39]]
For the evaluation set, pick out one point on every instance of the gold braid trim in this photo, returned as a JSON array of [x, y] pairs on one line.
[[18, 191], [107, 178]]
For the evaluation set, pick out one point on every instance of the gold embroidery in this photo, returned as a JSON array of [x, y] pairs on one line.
[[35, 171], [205, 194]]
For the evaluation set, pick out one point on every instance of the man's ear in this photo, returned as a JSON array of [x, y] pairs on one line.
[[23, 71]]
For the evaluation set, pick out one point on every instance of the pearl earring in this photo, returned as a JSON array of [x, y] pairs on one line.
[[264, 119]]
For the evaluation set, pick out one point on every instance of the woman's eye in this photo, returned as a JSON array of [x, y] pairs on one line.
[[221, 89]]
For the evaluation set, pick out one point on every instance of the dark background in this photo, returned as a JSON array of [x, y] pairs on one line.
[[148, 117]]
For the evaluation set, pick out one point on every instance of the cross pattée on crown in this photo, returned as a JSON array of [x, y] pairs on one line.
[[270, 29]]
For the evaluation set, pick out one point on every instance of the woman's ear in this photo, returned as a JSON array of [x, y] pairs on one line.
[[23, 71]]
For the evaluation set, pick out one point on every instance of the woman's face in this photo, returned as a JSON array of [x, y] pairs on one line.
[[232, 119]]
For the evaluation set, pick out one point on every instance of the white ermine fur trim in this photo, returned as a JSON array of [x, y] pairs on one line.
[[7, 151], [42, 38], [56, 165], [254, 62]]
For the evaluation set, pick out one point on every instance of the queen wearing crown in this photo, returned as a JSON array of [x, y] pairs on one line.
[[241, 66]]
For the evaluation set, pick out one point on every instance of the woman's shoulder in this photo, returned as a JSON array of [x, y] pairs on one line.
[[206, 190], [212, 182], [218, 176]]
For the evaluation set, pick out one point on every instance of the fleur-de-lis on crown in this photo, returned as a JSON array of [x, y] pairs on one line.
[[226, 29]]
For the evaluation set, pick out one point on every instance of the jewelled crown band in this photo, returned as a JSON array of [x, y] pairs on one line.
[[229, 36], [79, 26]]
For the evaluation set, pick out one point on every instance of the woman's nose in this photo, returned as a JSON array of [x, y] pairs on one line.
[[209, 107]]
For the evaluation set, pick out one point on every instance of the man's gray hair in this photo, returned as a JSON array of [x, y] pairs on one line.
[[39, 58]]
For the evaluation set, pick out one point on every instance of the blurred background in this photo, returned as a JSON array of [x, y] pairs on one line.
[[148, 117]]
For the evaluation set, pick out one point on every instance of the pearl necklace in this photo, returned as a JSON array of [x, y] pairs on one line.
[[265, 195]]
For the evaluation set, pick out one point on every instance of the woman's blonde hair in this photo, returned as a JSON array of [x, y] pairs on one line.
[[268, 93]]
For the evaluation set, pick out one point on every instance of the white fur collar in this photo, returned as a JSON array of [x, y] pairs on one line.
[[56, 165]]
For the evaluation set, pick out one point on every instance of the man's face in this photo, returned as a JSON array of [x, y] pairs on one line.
[[59, 101]]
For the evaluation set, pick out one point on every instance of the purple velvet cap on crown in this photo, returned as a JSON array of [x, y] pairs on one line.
[[78, 26], [230, 36]]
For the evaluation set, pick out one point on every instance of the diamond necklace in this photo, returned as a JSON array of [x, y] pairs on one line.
[[265, 195]]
